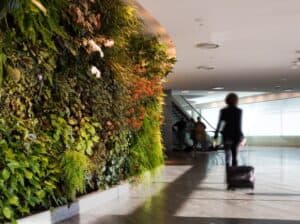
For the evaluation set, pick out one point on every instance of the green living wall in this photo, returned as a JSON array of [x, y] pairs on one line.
[[80, 99]]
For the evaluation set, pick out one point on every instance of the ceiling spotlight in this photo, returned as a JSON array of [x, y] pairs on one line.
[[207, 45], [185, 91], [204, 67], [218, 88], [288, 90], [277, 87], [210, 92]]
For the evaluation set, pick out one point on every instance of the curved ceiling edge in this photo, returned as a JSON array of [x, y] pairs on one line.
[[152, 26]]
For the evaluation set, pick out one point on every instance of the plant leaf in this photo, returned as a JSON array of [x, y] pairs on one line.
[[13, 200], [7, 212], [5, 174], [40, 6], [28, 175]]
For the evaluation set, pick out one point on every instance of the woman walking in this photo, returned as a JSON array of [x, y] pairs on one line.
[[230, 125]]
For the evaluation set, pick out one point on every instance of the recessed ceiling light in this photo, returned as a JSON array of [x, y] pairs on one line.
[[185, 91], [205, 67], [288, 90], [206, 45], [210, 92], [218, 88], [277, 87]]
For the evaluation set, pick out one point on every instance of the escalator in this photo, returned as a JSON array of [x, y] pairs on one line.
[[182, 108]]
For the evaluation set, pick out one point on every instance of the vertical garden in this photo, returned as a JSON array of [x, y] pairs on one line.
[[80, 100]]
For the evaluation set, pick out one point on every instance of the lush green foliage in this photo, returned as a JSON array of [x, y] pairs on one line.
[[75, 165], [146, 152], [29, 173], [80, 99]]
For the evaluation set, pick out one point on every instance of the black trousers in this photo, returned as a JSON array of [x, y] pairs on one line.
[[231, 151]]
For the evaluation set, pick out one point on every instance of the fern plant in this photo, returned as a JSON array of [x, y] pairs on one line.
[[75, 166]]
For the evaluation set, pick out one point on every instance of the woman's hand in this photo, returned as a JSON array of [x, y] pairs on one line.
[[243, 142]]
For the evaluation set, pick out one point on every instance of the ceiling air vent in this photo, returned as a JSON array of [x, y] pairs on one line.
[[204, 67], [207, 45]]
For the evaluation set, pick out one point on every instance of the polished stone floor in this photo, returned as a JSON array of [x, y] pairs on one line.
[[191, 191]]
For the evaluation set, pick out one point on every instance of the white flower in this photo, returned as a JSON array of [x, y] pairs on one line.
[[40, 77], [109, 43], [95, 48], [95, 71]]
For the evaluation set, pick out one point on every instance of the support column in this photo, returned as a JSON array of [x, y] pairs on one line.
[[168, 121]]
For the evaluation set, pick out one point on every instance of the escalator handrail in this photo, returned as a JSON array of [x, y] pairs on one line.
[[199, 114], [180, 110]]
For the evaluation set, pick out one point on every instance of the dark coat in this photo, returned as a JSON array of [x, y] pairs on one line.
[[181, 125], [231, 120]]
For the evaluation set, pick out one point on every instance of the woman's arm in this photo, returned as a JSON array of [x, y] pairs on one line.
[[240, 124]]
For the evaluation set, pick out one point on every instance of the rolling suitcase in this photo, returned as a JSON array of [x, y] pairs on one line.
[[240, 177]]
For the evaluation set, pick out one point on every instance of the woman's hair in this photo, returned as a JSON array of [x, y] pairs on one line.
[[231, 99]]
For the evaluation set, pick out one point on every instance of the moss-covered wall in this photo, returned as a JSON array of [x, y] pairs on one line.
[[80, 100]]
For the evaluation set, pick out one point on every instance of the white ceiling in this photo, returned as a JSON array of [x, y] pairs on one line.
[[258, 42]]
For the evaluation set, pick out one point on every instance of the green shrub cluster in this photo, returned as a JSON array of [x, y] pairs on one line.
[[80, 99], [146, 152]]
